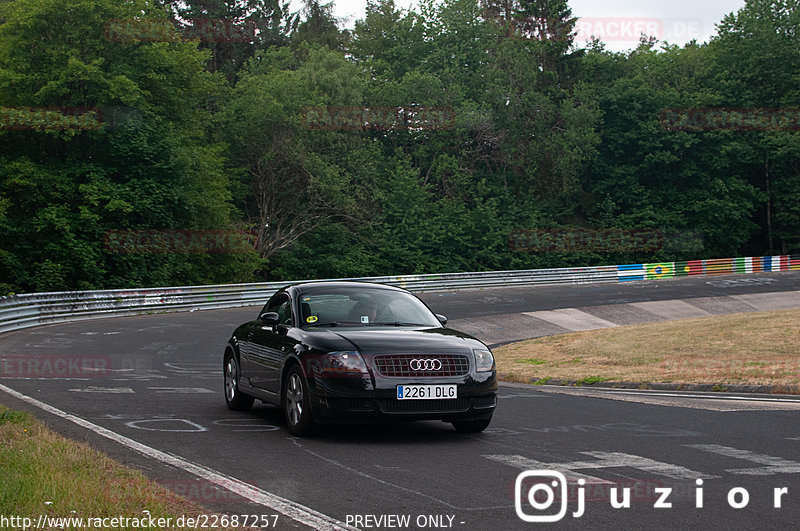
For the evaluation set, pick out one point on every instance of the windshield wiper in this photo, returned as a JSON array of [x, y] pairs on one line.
[[332, 323], [397, 323]]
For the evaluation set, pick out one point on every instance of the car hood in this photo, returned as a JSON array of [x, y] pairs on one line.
[[382, 340]]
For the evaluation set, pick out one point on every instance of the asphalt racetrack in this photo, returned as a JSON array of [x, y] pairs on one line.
[[161, 409]]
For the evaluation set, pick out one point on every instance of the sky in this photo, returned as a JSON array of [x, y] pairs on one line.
[[617, 22]]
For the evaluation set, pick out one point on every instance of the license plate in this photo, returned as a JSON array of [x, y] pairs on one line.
[[426, 392]]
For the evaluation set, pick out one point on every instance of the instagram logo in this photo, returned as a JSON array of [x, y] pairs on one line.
[[544, 489]]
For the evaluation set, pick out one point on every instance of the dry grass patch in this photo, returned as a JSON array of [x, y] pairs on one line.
[[46, 474], [752, 348]]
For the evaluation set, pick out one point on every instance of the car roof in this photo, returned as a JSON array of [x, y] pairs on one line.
[[308, 286]]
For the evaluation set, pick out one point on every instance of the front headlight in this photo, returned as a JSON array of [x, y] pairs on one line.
[[340, 363], [484, 361]]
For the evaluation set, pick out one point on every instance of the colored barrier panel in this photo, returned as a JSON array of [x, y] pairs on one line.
[[659, 271], [689, 268], [721, 266], [631, 272]]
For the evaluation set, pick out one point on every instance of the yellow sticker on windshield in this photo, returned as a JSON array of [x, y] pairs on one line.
[[311, 319]]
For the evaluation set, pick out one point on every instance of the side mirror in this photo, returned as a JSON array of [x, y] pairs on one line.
[[442, 319], [270, 318]]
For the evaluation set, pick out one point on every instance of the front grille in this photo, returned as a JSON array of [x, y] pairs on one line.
[[399, 365], [424, 406]]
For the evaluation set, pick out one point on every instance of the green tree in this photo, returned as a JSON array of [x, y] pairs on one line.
[[389, 40], [293, 174], [547, 115], [145, 162], [647, 175], [758, 56], [319, 26], [233, 29]]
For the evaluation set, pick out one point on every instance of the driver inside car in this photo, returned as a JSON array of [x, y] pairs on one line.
[[365, 311]]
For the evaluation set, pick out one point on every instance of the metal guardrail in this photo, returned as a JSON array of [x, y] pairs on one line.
[[34, 309]]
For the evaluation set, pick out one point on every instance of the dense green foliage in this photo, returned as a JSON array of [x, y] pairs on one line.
[[512, 125]]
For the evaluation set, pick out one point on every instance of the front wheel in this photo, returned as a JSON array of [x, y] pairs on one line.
[[297, 403], [472, 426], [236, 400]]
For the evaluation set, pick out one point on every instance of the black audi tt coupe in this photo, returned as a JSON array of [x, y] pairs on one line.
[[353, 351]]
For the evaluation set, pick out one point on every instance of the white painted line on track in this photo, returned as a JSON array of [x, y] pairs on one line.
[[773, 465], [716, 397], [526, 463], [181, 390], [603, 460], [189, 426], [93, 389], [293, 510], [619, 459]]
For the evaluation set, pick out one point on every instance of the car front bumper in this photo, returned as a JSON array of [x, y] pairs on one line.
[[361, 399]]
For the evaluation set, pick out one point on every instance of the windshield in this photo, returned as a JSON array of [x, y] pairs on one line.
[[354, 306]]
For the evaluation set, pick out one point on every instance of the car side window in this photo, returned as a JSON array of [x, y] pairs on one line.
[[282, 305], [285, 312], [276, 302]]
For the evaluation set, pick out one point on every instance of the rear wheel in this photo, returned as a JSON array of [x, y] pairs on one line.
[[297, 403], [472, 426], [236, 400]]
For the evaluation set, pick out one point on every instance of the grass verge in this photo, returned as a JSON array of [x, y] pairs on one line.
[[745, 349], [46, 474]]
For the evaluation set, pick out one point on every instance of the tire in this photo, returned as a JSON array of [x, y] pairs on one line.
[[297, 404], [472, 426], [236, 400]]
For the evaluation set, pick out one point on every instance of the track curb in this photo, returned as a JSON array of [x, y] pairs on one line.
[[716, 388]]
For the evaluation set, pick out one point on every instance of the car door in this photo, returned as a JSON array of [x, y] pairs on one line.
[[247, 364], [268, 345]]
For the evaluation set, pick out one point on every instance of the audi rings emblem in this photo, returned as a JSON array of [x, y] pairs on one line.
[[425, 365]]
